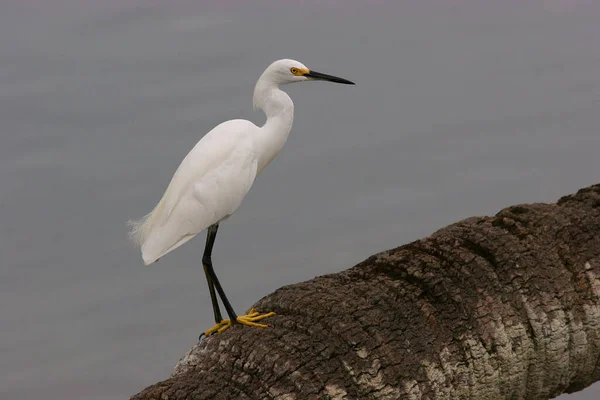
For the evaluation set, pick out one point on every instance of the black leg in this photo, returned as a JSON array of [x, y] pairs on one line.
[[212, 277], [213, 297], [210, 239]]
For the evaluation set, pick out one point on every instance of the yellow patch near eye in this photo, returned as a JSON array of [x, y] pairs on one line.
[[299, 71]]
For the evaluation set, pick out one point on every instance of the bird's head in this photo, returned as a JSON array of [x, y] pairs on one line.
[[290, 71]]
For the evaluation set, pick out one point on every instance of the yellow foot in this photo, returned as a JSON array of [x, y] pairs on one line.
[[218, 328], [248, 320], [253, 316]]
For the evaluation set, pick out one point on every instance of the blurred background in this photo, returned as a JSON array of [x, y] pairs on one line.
[[461, 108]]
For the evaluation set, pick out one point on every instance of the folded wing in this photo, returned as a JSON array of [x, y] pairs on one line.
[[208, 186]]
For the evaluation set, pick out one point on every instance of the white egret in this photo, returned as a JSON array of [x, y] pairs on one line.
[[216, 175]]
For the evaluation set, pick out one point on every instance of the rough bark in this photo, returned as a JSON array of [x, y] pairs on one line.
[[502, 307]]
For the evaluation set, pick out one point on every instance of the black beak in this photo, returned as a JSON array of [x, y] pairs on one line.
[[317, 76]]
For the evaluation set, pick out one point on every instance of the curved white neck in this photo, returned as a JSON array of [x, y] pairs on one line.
[[279, 109]]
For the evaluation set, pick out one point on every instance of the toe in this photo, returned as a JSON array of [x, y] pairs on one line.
[[224, 327], [250, 323], [259, 317], [218, 328]]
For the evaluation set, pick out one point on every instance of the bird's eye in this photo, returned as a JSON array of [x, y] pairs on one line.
[[295, 71]]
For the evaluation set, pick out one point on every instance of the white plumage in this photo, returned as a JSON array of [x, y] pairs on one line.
[[208, 187], [215, 176]]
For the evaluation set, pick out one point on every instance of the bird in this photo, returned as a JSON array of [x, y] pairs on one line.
[[215, 176]]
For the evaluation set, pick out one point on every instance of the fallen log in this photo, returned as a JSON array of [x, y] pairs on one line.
[[502, 307]]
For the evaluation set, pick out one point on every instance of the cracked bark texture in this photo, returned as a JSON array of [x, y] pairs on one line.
[[502, 307]]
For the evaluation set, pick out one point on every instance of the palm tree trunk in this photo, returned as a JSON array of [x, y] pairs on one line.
[[502, 307]]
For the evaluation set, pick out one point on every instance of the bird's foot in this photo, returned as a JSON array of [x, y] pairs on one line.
[[218, 328], [248, 320], [253, 316]]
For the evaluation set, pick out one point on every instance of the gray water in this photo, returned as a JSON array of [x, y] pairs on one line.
[[460, 108]]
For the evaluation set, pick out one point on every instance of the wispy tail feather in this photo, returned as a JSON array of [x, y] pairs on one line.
[[138, 229], [148, 233]]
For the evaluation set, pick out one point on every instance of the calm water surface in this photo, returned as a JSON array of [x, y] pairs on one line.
[[460, 108]]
